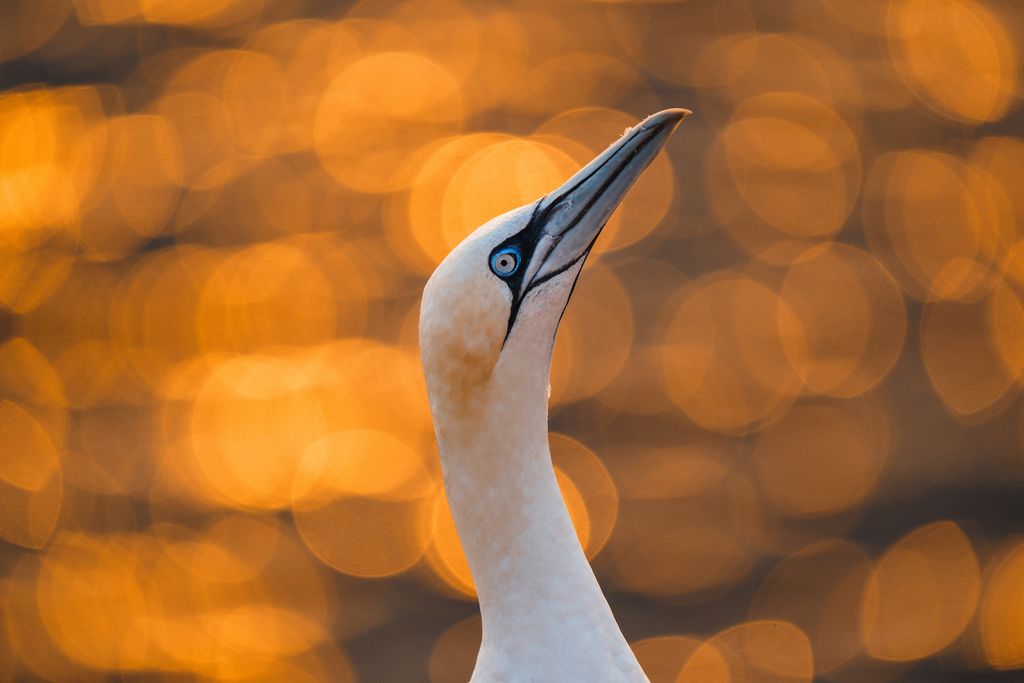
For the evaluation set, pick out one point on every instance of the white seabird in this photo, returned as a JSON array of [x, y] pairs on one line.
[[487, 327]]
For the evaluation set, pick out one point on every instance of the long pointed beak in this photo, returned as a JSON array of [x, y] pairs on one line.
[[570, 218]]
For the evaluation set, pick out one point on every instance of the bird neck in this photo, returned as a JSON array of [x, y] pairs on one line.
[[531, 575]]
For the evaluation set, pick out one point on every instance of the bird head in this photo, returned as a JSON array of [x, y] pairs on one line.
[[491, 309]]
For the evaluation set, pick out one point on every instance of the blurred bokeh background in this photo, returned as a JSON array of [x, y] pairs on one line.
[[786, 403]]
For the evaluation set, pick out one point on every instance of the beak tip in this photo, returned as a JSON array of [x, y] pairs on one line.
[[666, 117]]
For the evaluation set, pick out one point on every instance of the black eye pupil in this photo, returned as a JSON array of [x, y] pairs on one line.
[[505, 262]]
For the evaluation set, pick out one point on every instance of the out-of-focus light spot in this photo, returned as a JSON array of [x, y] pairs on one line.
[[224, 603], [362, 502], [39, 152], [28, 377], [447, 30], [598, 496], [853, 319], [310, 53], [933, 219], [87, 365], [324, 664], [377, 112], [972, 350], [1002, 160], [206, 14], [154, 314], [26, 25], [744, 65], [90, 12], [647, 202], [249, 301], [662, 657], [202, 124], [30, 478], [1002, 610], [921, 595], [820, 459], [819, 589], [866, 18], [666, 473], [434, 227], [374, 386], [215, 13], [666, 38], [264, 202], [572, 80], [1005, 327], [594, 337], [785, 172], [249, 427], [956, 56], [445, 556], [27, 278], [685, 523], [132, 198], [35, 651], [454, 193], [254, 94], [454, 654], [503, 60], [754, 651], [93, 603], [245, 423], [728, 353]]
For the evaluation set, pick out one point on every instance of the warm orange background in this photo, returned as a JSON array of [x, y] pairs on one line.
[[785, 399]]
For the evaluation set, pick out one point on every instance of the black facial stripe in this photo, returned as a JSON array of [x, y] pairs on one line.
[[527, 238]]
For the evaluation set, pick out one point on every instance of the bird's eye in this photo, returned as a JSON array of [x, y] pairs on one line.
[[506, 261]]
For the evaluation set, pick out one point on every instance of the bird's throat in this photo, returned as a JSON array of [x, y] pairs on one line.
[[531, 574]]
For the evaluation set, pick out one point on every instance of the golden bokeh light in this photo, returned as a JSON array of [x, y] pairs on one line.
[[1001, 616], [819, 589], [956, 56], [663, 657], [822, 458], [763, 651], [133, 200], [247, 302], [39, 146], [852, 316], [783, 174], [354, 520], [686, 524], [454, 653], [748, 64], [921, 595], [971, 373], [729, 353], [594, 337], [30, 478], [26, 25], [596, 500], [455, 191], [937, 222], [377, 111], [800, 336]]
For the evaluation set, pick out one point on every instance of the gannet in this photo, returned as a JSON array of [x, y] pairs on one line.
[[488, 320]]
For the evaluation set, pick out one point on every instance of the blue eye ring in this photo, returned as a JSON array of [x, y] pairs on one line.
[[505, 262]]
